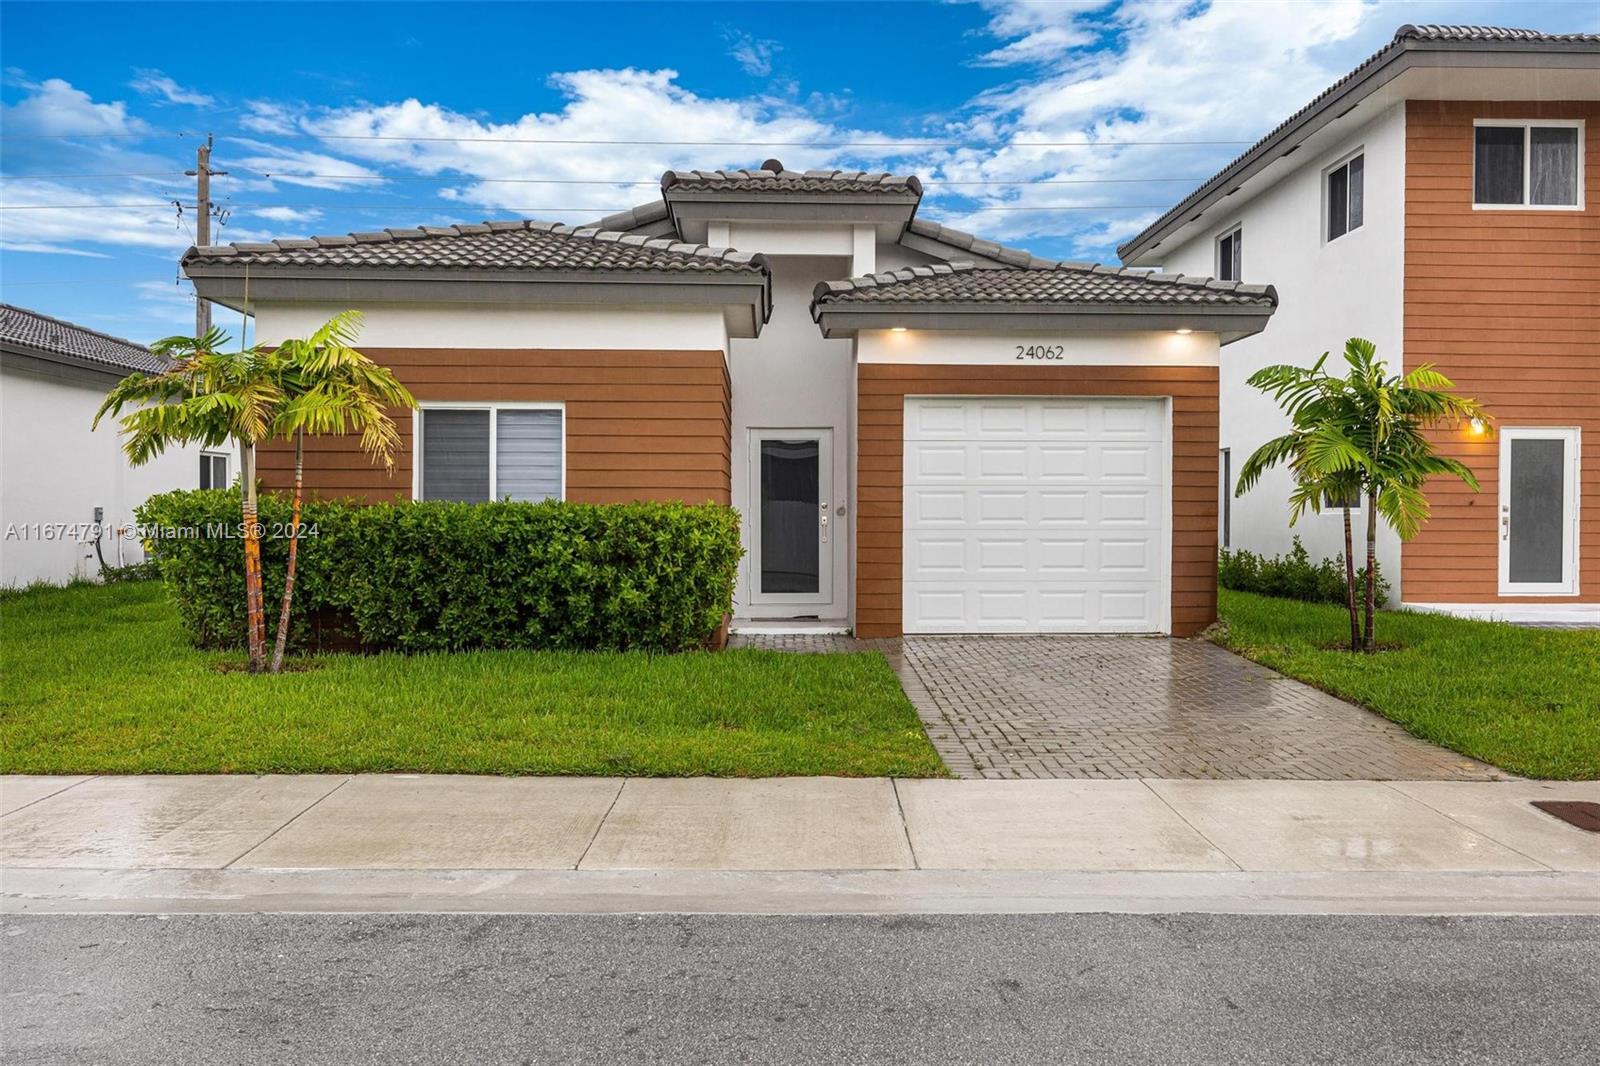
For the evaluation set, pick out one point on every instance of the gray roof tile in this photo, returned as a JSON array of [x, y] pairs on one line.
[[31, 331], [773, 178], [1049, 283], [519, 245]]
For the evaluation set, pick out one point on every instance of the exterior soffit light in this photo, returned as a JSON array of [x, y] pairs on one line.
[[1184, 332], [897, 329]]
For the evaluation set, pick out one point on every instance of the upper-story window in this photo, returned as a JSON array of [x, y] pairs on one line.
[[1346, 196], [1529, 164], [1230, 255]]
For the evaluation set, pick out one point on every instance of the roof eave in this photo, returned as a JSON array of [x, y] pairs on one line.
[[840, 318], [1402, 55], [231, 285]]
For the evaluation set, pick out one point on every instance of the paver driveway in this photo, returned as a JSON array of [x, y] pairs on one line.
[[1119, 706]]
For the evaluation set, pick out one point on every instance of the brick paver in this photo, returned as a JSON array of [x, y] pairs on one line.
[[1119, 707]]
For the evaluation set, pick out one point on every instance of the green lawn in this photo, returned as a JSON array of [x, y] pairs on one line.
[[102, 680], [1526, 700]]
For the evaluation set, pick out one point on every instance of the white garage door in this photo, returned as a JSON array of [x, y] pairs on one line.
[[1035, 515]]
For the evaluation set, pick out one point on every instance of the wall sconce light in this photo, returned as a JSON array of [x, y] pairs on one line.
[[1478, 427]]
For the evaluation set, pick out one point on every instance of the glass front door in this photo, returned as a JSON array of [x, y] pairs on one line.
[[793, 531], [1538, 511]]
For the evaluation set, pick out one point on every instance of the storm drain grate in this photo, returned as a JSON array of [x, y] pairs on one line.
[[1581, 813]]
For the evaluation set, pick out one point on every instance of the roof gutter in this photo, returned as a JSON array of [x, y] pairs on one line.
[[1384, 66]]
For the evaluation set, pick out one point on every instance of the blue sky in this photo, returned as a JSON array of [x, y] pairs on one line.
[[363, 116]]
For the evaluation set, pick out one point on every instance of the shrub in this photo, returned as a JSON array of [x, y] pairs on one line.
[[1293, 576], [450, 576]]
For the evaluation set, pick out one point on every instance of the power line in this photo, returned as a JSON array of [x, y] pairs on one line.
[[434, 206], [567, 181], [606, 142]]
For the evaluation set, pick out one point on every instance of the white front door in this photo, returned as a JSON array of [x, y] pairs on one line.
[[1036, 515], [792, 523], [1538, 511]]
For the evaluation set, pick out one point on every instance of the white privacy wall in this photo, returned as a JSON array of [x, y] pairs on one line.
[[53, 469], [1328, 292]]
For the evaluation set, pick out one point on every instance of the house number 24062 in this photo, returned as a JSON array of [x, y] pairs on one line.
[[1041, 351]]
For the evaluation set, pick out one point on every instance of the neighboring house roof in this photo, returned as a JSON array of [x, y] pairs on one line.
[[773, 178], [1409, 41], [946, 243], [511, 246], [964, 295], [29, 333]]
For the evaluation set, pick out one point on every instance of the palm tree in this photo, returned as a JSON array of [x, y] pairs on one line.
[[330, 388], [1362, 435], [208, 397]]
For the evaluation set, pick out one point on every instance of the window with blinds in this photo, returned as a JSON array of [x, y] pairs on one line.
[[477, 454]]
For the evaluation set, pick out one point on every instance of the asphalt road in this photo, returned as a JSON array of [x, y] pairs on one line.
[[487, 989]]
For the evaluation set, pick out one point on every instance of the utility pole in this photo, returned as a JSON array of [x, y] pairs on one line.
[[202, 173]]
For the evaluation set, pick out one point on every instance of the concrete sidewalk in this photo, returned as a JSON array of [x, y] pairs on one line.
[[329, 842]]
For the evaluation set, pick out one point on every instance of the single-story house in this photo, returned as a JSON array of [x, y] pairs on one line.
[[923, 431], [1443, 201], [66, 491]]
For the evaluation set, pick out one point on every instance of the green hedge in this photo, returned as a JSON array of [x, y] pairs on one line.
[[448, 576], [1293, 576]]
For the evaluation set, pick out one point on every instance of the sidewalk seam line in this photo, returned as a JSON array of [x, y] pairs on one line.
[[1479, 832], [1145, 781], [229, 864], [604, 818], [905, 827], [52, 795]]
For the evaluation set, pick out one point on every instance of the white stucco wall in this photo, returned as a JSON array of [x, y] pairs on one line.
[[487, 326], [54, 470], [1329, 291]]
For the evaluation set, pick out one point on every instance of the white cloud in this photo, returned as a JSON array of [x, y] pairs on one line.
[[264, 116], [1042, 29], [298, 167], [1177, 74], [59, 218], [616, 114], [753, 54], [154, 83], [54, 108], [287, 214]]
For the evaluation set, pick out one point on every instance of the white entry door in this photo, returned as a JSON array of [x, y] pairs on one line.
[[1538, 511], [792, 522], [1036, 515]]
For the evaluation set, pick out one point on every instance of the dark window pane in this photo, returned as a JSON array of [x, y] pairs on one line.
[[1497, 165], [1554, 161], [1341, 498], [528, 455], [1338, 202], [1358, 168], [790, 517], [1228, 256], [455, 455], [1538, 510], [1238, 256]]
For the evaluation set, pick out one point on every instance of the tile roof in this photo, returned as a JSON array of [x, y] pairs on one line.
[[521, 245], [34, 332], [633, 218], [1402, 40], [773, 178], [1049, 282], [962, 241]]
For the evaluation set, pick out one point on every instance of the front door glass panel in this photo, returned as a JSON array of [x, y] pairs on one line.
[[1537, 545], [791, 527]]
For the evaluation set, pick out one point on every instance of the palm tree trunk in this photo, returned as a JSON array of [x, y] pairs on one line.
[[1370, 642], [254, 610], [294, 551], [1350, 580]]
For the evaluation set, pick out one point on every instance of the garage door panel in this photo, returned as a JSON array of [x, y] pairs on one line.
[[1034, 515]]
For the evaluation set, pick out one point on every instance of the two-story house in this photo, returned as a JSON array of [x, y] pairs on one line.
[[1443, 201], [923, 431]]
